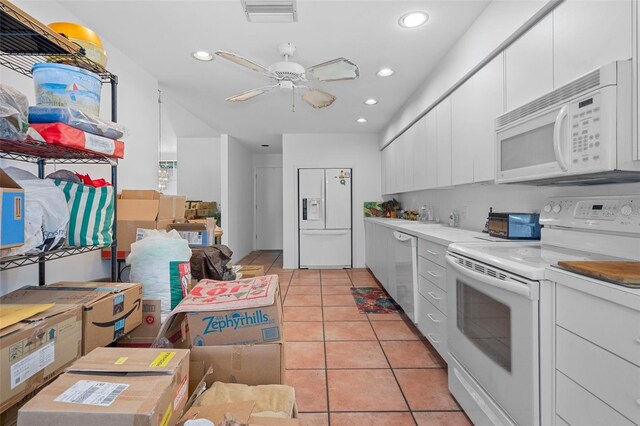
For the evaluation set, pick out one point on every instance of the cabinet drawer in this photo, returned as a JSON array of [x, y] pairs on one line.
[[610, 378], [432, 251], [433, 272], [576, 406], [433, 294], [614, 327], [433, 325]]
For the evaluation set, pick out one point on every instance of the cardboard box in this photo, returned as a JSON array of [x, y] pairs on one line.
[[197, 234], [11, 212], [145, 209], [34, 348], [207, 205], [145, 334], [114, 387], [248, 364], [230, 312], [110, 310], [251, 271], [205, 212], [190, 213]]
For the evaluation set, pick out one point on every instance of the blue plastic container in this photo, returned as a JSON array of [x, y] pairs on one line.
[[64, 85]]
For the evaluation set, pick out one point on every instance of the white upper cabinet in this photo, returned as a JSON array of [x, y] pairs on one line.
[[588, 34], [430, 159], [463, 137], [408, 147], [529, 65], [474, 107], [443, 142], [421, 156], [488, 89]]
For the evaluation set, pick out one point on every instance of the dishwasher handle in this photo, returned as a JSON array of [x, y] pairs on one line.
[[402, 237]]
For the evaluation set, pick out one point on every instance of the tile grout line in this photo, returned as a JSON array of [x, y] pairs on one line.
[[324, 347], [406, 401]]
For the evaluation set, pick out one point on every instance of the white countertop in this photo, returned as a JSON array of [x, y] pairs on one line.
[[437, 233]]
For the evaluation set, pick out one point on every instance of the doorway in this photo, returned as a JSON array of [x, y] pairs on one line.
[[268, 212]]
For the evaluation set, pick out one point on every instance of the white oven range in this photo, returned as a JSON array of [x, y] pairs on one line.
[[500, 305]]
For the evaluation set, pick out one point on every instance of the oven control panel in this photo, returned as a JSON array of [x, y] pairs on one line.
[[607, 213], [585, 131]]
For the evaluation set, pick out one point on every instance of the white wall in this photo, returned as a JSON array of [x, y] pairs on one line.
[[267, 160], [495, 25], [358, 151], [236, 196], [503, 198], [137, 110], [199, 174]]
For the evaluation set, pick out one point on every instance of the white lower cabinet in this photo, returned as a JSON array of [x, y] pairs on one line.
[[432, 323], [597, 354]]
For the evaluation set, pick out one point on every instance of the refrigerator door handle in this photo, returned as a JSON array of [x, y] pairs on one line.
[[304, 209], [325, 232]]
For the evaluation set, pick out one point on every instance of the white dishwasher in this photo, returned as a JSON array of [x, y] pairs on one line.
[[405, 273]]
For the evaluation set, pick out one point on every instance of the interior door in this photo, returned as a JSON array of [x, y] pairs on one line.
[[338, 198], [268, 208]]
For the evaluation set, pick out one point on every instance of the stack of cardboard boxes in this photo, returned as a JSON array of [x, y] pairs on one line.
[[145, 209], [43, 330], [200, 209], [229, 332]]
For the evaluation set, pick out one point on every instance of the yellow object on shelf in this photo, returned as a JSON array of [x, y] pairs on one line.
[[71, 30], [85, 38]]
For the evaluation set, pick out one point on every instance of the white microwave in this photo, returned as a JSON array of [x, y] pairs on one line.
[[578, 134]]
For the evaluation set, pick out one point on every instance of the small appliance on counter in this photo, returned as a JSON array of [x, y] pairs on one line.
[[514, 226]]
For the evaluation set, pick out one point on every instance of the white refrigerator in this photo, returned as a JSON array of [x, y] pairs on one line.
[[324, 218]]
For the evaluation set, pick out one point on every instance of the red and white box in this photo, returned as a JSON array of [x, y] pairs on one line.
[[62, 134]]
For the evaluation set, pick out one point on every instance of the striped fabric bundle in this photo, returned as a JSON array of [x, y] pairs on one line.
[[91, 214]]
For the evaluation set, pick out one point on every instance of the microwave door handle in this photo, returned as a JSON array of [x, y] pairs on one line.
[[557, 137]]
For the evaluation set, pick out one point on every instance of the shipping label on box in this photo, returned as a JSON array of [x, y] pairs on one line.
[[231, 312], [35, 350]]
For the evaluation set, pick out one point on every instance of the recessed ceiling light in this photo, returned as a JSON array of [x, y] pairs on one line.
[[361, 120], [202, 55], [413, 19], [371, 101], [385, 72], [265, 146]]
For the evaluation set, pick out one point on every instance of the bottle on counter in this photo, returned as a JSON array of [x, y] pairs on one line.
[[423, 213]]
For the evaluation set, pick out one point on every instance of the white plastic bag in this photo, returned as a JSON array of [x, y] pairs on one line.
[[160, 262], [46, 212]]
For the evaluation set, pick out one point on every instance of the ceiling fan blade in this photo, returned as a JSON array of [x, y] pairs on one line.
[[244, 96], [318, 98], [337, 69], [241, 61]]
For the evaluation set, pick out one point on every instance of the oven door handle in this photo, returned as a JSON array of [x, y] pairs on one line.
[[510, 286]]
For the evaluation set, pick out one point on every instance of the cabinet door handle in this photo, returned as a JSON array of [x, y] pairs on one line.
[[433, 295], [433, 274], [435, 253], [432, 318], [430, 336]]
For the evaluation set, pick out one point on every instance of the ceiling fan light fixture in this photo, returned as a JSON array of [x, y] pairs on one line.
[[371, 101], [202, 55], [385, 72], [413, 19], [361, 120]]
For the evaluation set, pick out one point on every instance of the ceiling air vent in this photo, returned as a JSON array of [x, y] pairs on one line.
[[270, 11]]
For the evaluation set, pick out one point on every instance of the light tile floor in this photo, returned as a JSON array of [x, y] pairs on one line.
[[353, 369]]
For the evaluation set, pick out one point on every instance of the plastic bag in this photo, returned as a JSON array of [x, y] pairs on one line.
[[76, 118], [46, 213], [14, 110], [160, 262]]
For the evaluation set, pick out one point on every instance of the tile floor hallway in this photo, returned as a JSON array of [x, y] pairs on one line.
[[350, 368]]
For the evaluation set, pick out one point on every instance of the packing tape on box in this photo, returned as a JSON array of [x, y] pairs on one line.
[[236, 359]]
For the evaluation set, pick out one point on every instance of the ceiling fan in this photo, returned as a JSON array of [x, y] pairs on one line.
[[288, 75]]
